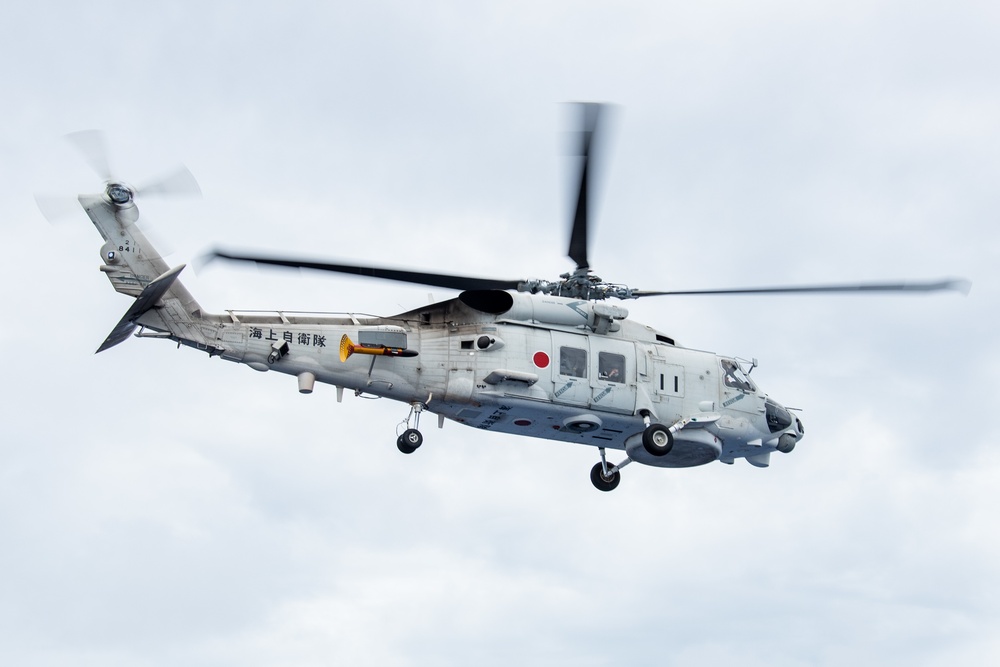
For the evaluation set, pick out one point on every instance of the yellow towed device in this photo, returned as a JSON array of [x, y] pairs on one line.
[[348, 347]]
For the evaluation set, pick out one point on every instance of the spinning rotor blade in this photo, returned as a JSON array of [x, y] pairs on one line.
[[418, 277], [57, 208], [179, 182], [94, 148], [581, 283], [591, 113], [952, 284]]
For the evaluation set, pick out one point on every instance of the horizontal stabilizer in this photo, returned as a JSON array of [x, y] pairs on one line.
[[146, 300]]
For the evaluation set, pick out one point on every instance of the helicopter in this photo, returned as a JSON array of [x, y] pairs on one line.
[[545, 359]]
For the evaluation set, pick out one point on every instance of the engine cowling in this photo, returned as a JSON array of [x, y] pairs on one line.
[[560, 311]]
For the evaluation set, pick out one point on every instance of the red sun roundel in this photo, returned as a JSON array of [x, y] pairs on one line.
[[541, 359]]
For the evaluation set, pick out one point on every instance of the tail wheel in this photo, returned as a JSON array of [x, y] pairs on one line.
[[409, 441], [603, 483], [657, 440]]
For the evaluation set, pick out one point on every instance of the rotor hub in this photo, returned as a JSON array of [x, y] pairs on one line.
[[119, 193]]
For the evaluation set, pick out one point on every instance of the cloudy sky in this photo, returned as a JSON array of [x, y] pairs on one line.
[[160, 508]]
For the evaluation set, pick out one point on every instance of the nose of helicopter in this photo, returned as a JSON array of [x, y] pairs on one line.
[[791, 437], [780, 420]]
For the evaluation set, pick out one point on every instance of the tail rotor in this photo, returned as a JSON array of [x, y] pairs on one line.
[[92, 147]]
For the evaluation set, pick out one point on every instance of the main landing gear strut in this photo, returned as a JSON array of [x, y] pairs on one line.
[[657, 439], [410, 439], [605, 476]]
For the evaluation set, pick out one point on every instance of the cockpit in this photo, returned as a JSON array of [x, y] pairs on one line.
[[735, 378], [777, 416]]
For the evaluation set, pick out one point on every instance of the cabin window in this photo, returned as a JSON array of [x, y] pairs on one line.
[[611, 367], [573, 362]]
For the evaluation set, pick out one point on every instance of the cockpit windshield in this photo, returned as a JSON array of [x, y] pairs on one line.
[[778, 418], [735, 377]]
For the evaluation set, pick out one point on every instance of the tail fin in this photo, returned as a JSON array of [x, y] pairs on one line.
[[136, 268]]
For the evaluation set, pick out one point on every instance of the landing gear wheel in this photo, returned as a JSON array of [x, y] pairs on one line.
[[657, 440], [603, 483], [409, 441], [403, 447]]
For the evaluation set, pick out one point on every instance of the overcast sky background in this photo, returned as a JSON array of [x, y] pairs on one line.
[[160, 508]]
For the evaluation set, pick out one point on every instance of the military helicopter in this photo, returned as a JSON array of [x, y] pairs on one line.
[[546, 359]]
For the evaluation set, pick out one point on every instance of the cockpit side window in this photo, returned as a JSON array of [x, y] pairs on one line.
[[735, 377], [778, 418]]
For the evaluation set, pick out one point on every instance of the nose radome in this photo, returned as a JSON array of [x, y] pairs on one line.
[[787, 441]]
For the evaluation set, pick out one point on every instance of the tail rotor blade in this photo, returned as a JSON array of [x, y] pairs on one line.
[[178, 182], [154, 237], [93, 146], [57, 208]]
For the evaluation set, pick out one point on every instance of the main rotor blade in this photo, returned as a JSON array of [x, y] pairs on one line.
[[949, 284], [591, 113], [418, 277]]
